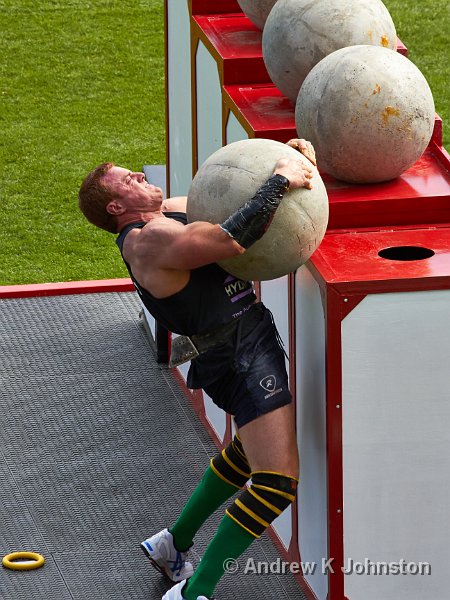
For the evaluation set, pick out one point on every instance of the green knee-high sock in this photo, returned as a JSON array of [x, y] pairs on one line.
[[230, 541], [211, 492]]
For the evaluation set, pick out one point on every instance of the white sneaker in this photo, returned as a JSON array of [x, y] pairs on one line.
[[165, 557], [175, 593]]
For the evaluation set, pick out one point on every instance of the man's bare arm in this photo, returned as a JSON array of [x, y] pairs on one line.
[[176, 204], [171, 245]]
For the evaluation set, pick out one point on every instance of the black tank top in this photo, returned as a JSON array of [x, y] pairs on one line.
[[212, 297]]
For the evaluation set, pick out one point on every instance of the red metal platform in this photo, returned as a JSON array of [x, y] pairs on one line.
[[206, 7], [262, 110], [351, 263], [419, 197], [345, 272], [235, 43]]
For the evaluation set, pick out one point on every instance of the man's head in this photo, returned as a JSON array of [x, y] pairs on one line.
[[111, 196]]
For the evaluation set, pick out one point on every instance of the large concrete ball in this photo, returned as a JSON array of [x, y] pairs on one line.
[[300, 33], [257, 10], [368, 111], [230, 177]]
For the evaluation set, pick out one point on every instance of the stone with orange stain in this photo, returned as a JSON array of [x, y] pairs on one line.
[[388, 112], [298, 34], [368, 111]]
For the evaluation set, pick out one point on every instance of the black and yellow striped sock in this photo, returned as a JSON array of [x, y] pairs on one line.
[[268, 496], [231, 464], [228, 472], [247, 518]]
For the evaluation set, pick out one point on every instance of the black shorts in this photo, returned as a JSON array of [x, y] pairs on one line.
[[256, 382]]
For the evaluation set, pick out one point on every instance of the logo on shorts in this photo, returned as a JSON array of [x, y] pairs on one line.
[[269, 383]]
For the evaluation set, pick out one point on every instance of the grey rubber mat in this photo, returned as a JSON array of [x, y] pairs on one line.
[[98, 450]]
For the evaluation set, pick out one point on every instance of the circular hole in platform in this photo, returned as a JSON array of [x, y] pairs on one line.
[[406, 253]]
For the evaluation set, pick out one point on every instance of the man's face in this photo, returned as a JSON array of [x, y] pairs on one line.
[[132, 190]]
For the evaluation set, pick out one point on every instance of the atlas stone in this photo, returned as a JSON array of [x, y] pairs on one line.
[[230, 177], [369, 113], [257, 10], [298, 34]]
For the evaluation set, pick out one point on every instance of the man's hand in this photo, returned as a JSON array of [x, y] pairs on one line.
[[296, 171], [305, 147]]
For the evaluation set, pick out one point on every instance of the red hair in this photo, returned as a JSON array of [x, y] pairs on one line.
[[93, 198]]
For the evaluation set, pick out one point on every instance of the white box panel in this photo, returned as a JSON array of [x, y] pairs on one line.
[[396, 442], [179, 97], [209, 105], [151, 322], [234, 130], [311, 429]]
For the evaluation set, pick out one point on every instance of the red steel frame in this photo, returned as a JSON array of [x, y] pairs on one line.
[[66, 288]]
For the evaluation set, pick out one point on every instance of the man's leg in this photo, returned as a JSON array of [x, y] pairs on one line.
[[270, 442], [228, 472], [270, 445]]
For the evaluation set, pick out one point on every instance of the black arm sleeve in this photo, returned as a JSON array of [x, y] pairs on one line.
[[248, 224]]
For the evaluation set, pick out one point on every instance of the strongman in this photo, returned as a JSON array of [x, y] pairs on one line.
[[236, 355]]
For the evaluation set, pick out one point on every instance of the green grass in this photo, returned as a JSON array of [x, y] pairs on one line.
[[82, 82]]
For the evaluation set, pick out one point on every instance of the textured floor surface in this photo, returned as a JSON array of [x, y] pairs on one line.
[[98, 450]]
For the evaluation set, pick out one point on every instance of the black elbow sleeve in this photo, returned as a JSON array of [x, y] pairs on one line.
[[249, 223]]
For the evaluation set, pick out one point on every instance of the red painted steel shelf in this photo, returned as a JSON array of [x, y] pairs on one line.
[[224, 7], [207, 7], [262, 110], [235, 44], [420, 196], [350, 262]]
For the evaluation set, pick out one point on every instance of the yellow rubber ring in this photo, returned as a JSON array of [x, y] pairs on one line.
[[9, 561]]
